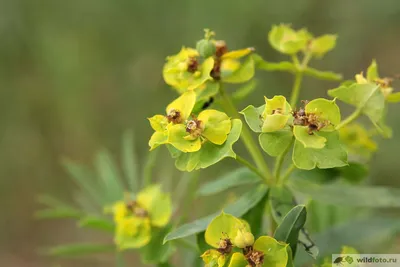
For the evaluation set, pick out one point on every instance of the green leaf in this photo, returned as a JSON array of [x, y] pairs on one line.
[[237, 177], [58, 213], [368, 233], [51, 201], [210, 153], [323, 75], [282, 202], [237, 209], [253, 117], [348, 195], [276, 142], [130, 162], [254, 217], [271, 66], [97, 223], [393, 98], [286, 40], [84, 178], [79, 250], [366, 97], [243, 74], [288, 231], [108, 173], [156, 251], [332, 155], [244, 91], [290, 257]]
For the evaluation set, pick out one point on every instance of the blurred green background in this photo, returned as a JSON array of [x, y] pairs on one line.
[[74, 75]]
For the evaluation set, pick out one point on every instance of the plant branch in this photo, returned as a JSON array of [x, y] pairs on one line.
[[353, 116], [246, 137], [296, 88], [288, 172], [279, 161], [249, 166]]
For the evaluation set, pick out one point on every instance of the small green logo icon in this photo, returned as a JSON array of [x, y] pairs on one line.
[[349, 259]]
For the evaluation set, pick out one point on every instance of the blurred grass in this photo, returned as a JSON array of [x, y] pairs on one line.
[[75, 74]]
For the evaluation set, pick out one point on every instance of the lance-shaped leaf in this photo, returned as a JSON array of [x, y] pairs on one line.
[[330, 156], [366, 97], [288, 231], [210, 153], [238, 208], [322, 75]]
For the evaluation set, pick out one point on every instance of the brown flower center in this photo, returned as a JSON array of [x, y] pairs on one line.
[[225, 246], [174, 116], [194, 127], [311, 120], [254, 257], [136, 210], [193, 65]]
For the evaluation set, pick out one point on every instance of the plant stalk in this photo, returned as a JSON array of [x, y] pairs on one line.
[[353, 116], [279, 161], [249, 166], [247, 138]]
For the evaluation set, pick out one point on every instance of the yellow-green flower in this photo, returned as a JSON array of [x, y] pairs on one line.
[[135, 219], [373, 77], [226, 232], [184, 71], [276, 114], [288, 41], [357, 140], [186, 131]]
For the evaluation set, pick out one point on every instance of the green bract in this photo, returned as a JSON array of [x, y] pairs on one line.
[[185, 131], [232, 70], [183, 71], [226, 232], [134, 220], [288, 41], [319, 115], [321, 45]]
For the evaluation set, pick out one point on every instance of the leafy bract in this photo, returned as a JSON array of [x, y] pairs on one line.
[[210, 153], [330, 156], [276, 142]]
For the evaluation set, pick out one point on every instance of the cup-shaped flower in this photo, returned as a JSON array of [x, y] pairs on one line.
[[221, 234], [276, 114], [176, 113], [318, 115], [288, 41], [134, 219], [385, 84], [265, 252], [184, 71]]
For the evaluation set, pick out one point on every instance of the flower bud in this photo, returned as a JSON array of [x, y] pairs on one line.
[[244, 239], [206, 48]]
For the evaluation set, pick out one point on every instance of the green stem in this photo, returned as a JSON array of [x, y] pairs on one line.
[[246, 137], [296, 88], [279, 161], [249, 166], [353, 116], [288, 172]]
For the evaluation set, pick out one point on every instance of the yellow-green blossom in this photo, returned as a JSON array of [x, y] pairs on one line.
[[226, 232], [357, 140], [276, 114], [186, 131], [134, 219], [184, 71]]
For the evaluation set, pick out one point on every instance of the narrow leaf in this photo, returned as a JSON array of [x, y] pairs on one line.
[[323, 75], [237, 177], [97, 223], [238, 208], [255, 217], [348, 195], [244, 91], [288, 231], [107, 171], [58, 213], [130, 163]]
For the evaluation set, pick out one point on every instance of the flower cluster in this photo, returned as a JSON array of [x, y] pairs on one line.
[[134, 219], [233, 242]]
